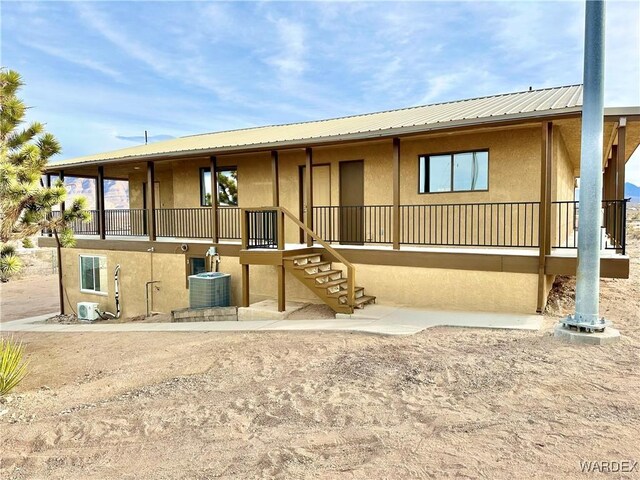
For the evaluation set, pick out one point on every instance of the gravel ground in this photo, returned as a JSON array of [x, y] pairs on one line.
[[446, 403]]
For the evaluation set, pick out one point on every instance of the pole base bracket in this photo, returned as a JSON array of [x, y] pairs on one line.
[[582, 325]]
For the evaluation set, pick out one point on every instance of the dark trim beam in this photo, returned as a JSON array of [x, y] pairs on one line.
[[275, 178], [102, 216], [396, 193], [308, 172], [619, 159], [63, 206], [546, 169], [151, 201], [213, 165]]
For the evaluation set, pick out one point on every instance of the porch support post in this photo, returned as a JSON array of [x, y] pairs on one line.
[[309, 183], [61, 177], [396, 193], [102, 216], [213, 165], [245, 285], [281, 289], [48, 185], [619, 159], [151, 201], [544, 220], [275, 178], [618, 182]]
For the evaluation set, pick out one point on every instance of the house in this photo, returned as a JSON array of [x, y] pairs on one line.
[[460, 205]]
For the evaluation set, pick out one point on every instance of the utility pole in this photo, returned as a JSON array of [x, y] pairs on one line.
[[586, 316]]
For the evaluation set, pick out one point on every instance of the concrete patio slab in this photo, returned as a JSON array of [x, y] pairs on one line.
[[377, 319], [268, 310]]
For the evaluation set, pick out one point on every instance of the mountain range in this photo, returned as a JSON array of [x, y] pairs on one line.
[[116, 192], [632, 191]]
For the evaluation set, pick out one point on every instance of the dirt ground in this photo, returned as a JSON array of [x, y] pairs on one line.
[[446, 403], [29, 297]]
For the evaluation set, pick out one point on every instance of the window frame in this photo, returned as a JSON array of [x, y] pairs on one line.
[[188, 265], [427, 157], [86, 290], [203, 191]]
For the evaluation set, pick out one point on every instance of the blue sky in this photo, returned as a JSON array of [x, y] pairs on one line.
[[100, 73]]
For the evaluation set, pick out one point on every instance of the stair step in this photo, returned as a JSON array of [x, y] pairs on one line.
[[362, 301], [324, 273], [342, 293], [298, 259], [332, 283], [311, 265]]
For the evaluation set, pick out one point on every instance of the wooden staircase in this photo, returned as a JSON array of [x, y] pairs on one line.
[[329, 284]]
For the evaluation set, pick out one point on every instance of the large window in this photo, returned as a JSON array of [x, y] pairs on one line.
[[454, 172], [227, 187], [93, 274]]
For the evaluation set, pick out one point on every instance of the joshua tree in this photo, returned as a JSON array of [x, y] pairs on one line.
[[25, 203]]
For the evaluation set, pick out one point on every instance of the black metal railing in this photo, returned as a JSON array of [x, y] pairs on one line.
[[229, 223], [196, 222], [262, 229], [565, 217], [499, 224], [170, 222], [79, 228], [359, 224], [126, 222], [183, 222]]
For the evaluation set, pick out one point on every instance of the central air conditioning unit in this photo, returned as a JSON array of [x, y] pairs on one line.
[[209, 289], [87, 311]]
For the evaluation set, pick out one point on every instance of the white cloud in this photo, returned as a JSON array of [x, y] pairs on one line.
[[76, 58], [179, 68], [289, 61]]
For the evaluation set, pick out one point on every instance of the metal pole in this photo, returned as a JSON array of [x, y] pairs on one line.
[[589, 229]]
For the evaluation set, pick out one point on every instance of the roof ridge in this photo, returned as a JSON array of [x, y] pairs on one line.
[[449, 102]]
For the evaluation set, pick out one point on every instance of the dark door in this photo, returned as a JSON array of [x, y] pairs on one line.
[[352, 202]]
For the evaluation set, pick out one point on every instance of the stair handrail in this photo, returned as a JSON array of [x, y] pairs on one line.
[[351, 270]]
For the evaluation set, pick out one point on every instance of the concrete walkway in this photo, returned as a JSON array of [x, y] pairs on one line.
[[378, 319]]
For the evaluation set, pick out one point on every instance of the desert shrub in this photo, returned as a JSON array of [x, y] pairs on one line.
[[12, 366], [27, 243], [10, 263]]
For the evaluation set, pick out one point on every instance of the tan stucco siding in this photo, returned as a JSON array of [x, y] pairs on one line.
[[443, 289], [403, 286], [138, 268], [514, 166]]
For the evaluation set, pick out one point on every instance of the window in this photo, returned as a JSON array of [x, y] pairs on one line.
[[227, 187], [197, 265], [93, 274], [194, 266], [454, 172]]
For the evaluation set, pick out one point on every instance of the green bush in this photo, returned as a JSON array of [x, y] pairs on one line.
[[27, 243], [10, 263], [12, 367]]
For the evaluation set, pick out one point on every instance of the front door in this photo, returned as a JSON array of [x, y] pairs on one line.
[[321, 196], [352, 202]]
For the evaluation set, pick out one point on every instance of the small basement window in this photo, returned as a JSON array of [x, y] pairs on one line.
[[195, 265], [93, 274], [454, 172]]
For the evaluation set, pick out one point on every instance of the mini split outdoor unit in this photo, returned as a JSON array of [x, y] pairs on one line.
[[87, 311], [210, 289]]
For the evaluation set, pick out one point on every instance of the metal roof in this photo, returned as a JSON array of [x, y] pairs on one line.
[[532, 103]]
